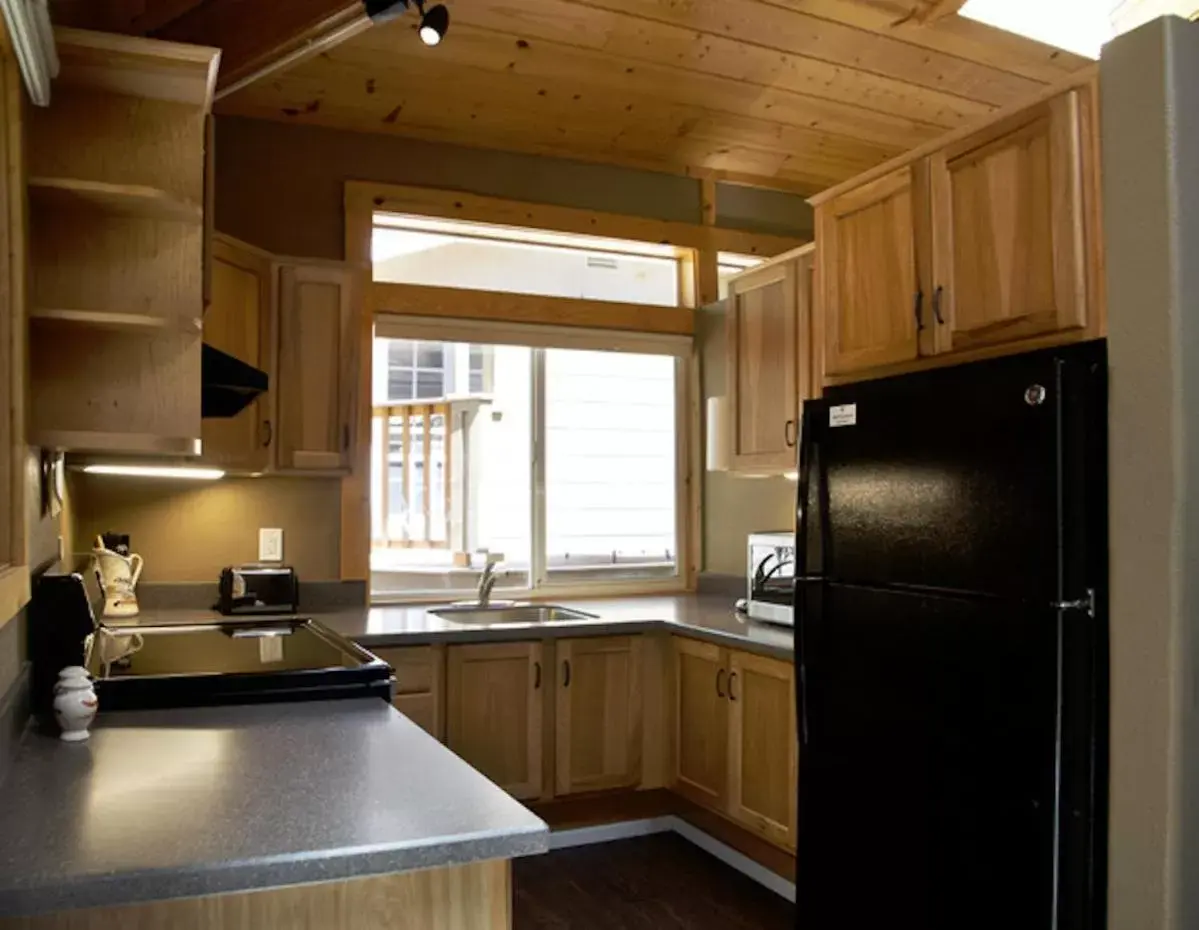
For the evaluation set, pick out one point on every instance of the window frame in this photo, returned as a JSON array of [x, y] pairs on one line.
[[536, 338], [697, 244]]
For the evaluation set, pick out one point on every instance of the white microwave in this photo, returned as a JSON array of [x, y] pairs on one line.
[[770, 577]]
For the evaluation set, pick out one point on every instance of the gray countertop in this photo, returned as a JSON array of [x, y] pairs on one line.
[[168, 804], [708, 617]]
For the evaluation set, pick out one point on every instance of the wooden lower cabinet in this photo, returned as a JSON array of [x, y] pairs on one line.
[[419, 685], [736, 742], [494, 712], [598, 710], [701, 715], [763, 756]]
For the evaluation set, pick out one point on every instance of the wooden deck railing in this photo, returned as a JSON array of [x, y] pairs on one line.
[[414, 424]]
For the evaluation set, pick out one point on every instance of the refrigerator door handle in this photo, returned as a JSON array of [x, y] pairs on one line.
[[802, 575]]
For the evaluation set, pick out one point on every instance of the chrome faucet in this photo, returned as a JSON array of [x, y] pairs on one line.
[[487, 581]]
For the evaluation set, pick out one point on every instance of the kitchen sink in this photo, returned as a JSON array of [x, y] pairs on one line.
[[508, 613]]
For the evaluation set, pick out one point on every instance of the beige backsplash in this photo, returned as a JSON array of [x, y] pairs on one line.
[[189, 531]]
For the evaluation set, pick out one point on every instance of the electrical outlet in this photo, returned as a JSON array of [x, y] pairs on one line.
[[270, 545]]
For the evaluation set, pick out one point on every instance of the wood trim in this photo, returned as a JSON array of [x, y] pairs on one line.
[[139, 67], [356, 486], [315, 41], [476, 896], [1082, 78], [494, 306], [458, 205], [926, 363]]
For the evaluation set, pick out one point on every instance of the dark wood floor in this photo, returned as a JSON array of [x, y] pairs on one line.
[[659, 882]]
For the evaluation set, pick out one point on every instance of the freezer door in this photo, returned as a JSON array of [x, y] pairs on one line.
[[949, 479], [927, 768]]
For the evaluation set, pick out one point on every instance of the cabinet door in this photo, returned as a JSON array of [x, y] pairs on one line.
[[701, 722], [763, 367], [238, 322], [762, 746], [493, 706], [1009, 253], [598, 719], [419, 685], [317, 361], [871, 302]]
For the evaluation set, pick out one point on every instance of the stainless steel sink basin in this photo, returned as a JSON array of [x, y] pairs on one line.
[[508, 613]]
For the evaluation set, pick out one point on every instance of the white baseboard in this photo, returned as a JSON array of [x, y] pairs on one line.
[[739, 861], [606, 833]]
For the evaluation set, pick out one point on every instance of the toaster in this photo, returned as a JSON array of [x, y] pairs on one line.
[[258, 589]]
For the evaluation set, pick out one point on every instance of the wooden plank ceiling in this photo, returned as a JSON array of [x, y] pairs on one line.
[[799, 94]]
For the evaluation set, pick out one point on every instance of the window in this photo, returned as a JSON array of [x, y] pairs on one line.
[[728, 265], [444, 253], [463, 472], [610, 464]]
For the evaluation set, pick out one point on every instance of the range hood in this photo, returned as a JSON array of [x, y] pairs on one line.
[[228, 385]]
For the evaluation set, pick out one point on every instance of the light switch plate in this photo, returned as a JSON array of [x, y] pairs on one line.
[[270, 545]]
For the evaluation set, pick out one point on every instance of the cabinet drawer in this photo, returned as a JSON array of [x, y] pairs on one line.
[[417, 668]]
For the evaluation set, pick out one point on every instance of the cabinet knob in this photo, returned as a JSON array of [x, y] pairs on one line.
[[268, 433], [566, 673], [536, 675], [719, 680], [789, 432], [732, 681], [919, 304]]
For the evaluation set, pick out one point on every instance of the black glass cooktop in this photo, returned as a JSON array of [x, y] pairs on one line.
[[229, 662]]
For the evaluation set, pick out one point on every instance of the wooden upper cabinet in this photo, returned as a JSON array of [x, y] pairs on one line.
[[238, 322], [763, 362], [763, 746], [1008, 229], [494, 713], [771, 361], [867, 251], [598, 714], [701, 722], [316, 367]]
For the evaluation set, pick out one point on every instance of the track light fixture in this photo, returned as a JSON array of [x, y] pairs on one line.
[[434, 22]]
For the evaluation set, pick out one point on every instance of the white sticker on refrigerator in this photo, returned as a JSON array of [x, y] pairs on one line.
[[843, 415]]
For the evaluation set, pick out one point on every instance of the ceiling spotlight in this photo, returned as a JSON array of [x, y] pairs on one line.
[[433, 24]]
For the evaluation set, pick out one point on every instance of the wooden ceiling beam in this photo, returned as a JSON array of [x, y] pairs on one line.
[[257, 39]]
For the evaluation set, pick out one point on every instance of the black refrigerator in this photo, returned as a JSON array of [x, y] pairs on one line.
[[951, 648]]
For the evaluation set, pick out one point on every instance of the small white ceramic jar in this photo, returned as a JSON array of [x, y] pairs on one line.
[[75, 703]]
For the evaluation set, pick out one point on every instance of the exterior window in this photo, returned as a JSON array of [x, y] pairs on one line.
[[457, 474], [479, 256], [729, 264]]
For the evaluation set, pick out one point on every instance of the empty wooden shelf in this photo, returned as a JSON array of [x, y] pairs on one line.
[[123, 199], [119, 322]]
